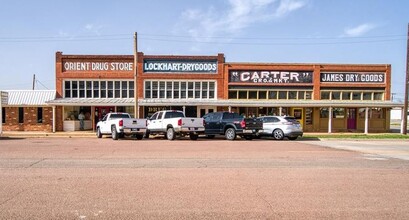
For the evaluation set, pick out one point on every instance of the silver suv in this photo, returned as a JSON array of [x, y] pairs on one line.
[[279, 127]]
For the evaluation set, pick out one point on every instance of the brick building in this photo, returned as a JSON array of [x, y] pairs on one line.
[[323, 97]]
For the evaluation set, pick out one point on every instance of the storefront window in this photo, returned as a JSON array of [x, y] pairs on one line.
[[377, 113], [361, 112], [324, 112], [338, 112]]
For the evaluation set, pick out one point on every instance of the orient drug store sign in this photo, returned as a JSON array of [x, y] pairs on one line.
[[98, 66], [275, 77]]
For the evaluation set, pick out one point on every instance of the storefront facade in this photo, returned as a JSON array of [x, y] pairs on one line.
[[323, 97]]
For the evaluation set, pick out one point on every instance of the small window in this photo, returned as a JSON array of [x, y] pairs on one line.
[[242, 94], [262, 95], [67, 85], [325, 95], [338, 113], [292, 95], [335, 95], [20, 115], [124, 88], [89, 89], [103, 89], [131, 89], [211, 90], [233, 94], [308, 95], [162, 86], [3, 115], [117, 89], [378, 96], [39, 115], [367, 96], [282, 95], [96, 89], [346, 95], [356, 96], [252, 94], [301, 94], [272, 94]]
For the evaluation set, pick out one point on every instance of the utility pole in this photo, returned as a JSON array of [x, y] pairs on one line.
[[34, 81], [135, 57], [405, 107]]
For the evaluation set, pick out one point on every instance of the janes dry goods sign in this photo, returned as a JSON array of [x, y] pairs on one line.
[[276, 77], [176, 66], [353, 77], [98, 66]]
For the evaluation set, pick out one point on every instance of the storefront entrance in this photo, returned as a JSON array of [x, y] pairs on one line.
[[298, 115], [202, 110], [351, 118]]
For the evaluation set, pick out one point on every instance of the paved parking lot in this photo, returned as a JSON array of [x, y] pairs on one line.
[[89, 178]]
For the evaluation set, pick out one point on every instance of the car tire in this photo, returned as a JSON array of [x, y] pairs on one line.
[[278, 134], [193, 137], [114, 133], [292, 138], [99, 134], [230, 134], [170, 134], [147, 134]]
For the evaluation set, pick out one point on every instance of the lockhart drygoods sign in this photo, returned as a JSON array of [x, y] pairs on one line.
[[176, 66], [353, 77], [98, 66], [276, 77]]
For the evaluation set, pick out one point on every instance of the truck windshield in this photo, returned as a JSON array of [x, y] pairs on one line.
[[119, 116]]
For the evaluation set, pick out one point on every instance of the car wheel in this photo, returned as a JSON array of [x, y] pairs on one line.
[[147, 134], [193, 137], [170, 134], [99, 134], [230, 134], [114, 133], [278, 134], [292, 138]]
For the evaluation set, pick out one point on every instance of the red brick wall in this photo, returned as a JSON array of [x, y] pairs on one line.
[[30, 120]]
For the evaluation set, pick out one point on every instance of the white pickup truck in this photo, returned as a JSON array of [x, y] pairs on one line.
[[120, 124], [173, 123]]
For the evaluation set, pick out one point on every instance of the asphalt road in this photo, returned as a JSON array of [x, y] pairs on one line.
[[89, 178]]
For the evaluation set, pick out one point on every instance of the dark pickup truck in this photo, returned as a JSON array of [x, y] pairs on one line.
[[230, 125]]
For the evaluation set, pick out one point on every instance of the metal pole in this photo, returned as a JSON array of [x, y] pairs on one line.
[[135, 57], [34, 80], [405, 107]]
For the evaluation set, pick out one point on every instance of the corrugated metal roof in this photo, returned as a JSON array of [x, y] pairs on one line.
[[92, 101], [29, 97]]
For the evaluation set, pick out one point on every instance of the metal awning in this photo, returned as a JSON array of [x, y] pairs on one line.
[[232, 103]]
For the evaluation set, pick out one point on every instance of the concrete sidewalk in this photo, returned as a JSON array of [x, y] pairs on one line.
[[32, 134]]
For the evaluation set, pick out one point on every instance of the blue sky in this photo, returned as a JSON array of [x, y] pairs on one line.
[[276, 31]]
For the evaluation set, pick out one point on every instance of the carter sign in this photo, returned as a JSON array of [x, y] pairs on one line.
[[276, 77], [353, 77]]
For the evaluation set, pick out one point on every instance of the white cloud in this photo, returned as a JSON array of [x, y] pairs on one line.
[[93, 28], [359, 30], [239, 15]]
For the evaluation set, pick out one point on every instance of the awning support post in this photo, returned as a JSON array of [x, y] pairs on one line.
[[330, 120], [366, 120]]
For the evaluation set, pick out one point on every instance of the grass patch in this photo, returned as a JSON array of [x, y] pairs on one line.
[[356, 136]]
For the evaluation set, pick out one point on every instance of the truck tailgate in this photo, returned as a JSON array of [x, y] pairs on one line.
[[254, 123], [134, 123], [192, 122]]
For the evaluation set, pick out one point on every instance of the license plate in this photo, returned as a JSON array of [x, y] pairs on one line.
[[247, 131], [192, 129], [134, 129]]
